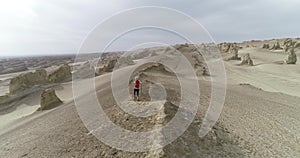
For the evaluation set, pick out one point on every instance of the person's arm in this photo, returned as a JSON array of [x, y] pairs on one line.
[[133, 82]]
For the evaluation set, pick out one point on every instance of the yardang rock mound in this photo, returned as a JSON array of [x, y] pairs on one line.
[[49, 99]]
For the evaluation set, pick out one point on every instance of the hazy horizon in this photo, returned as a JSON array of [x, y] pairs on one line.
[[34, 28], [76, 51]]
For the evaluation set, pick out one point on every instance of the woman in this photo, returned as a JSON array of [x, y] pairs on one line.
[[136, 89]]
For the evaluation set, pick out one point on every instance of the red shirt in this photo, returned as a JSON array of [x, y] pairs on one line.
[[137, 84]]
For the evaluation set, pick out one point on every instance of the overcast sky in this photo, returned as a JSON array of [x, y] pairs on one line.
[[32, 27]]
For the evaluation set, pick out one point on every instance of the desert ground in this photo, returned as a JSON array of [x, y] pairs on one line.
[[260, 117]]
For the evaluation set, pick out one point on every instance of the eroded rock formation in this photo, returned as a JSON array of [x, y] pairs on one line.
[[110, 66], [289, 48], [62, 74], [125, 61], [49, 99], [234, 53], [107, 67], [27, 81], [276, 46], [297, 45], [287, 44], [224, 47], [246, 60], [291, 57], [199, 66], [266, 46], [185, 48], [194, 54]]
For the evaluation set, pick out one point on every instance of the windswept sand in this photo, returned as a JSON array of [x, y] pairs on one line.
[[24, 107], [260, 117], [266, 73], [29, 105], [254, 123]]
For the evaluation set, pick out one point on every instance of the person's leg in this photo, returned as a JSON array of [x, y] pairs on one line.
[[137, 94], [134, 94]]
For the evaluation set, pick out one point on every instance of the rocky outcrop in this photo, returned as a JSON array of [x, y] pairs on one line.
[[157, 68], [194, 54], [125, 61], [3, 99], [110, 66], [62, 74], [230, 51], [291, 58], [266, 46], [276, 46], [246, 60], [287, 41], [49, 99], [233, 53], [185, 48], [297, 45], [224, 47], [27, 81], [289, 48], [107, 67], [199, 66], [39, 77], [287, 44]]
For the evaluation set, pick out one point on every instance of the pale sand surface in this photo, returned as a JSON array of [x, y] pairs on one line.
[[266, 123], [263, 123], [266, 74], [31, 103], [64, 91]]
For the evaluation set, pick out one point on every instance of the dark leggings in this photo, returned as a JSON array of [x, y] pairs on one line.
[[136, 92]]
